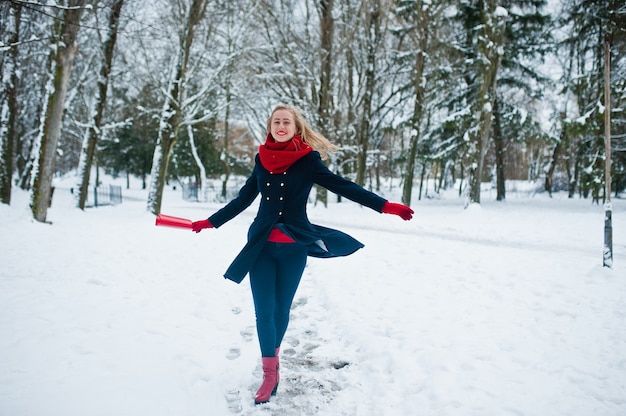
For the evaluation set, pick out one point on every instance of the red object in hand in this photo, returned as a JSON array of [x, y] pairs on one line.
[[170, 221], [198, 226], [404, 212]]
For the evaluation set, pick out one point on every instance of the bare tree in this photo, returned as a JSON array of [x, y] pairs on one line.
[[12, 13], [325, 96], [63, 50], [172, 109], [89, 147], [373, 18], [325, 101], [490, 33], [237, 39], [418, 16]]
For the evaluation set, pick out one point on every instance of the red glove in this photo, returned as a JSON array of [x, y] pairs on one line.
[[404, 212], [198, 226]]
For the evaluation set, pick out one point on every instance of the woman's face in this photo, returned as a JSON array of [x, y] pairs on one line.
[[283, 126]]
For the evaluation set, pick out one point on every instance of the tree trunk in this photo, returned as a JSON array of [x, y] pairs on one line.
[[442, 176], [324, 94], [607, 119], [225, 156], [326, 46], [8, 118], [549, 183], [370, 84], [422, 180], [348, 135], [418, 105], [89, 148], [194, 151], [573, 171], [489, 56], [64, 50], [500, 151], [172, 111]]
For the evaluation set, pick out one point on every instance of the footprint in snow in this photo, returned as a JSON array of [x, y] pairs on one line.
[[233, 353], [247, 334]]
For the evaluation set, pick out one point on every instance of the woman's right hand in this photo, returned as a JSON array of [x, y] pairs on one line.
[[402, 211], [198, 226]]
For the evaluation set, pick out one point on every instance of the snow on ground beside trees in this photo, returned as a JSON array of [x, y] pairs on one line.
[[501, 309]]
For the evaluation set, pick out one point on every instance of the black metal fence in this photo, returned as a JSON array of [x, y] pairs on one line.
[[213, 193], [104, 195]]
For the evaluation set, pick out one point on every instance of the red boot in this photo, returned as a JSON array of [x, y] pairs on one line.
[[270, 383]]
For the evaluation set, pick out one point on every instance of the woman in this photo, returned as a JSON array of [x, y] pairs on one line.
[[281, 236]]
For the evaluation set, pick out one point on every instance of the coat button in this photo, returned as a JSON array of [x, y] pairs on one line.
[[281, 198], [267, 198], [282, 184], [267, 184], [280, 213]]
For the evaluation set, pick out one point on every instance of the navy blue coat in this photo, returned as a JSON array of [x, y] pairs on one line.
[[283, 204]]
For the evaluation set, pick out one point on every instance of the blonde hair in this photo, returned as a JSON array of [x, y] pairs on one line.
[[313, 138]]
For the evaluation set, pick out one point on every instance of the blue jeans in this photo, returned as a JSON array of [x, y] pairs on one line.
[[274, 279]]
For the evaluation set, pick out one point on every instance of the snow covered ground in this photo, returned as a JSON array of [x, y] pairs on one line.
[[502, 309]]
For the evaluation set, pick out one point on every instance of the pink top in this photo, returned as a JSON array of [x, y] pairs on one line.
[[277, 236]]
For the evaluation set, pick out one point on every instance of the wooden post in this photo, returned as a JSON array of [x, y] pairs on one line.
[[607, 255]]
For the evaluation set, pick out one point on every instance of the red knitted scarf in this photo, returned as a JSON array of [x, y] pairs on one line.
[[277, 157]]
